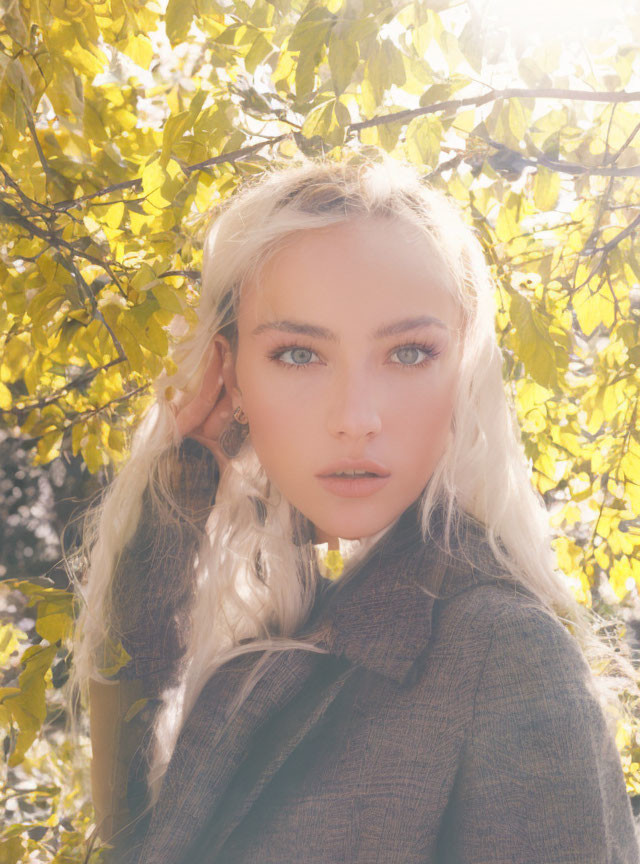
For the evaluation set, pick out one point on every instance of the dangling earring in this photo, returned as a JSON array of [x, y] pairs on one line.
[[235, 433]]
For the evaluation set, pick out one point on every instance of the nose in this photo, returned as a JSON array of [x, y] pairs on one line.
[[353, 407]]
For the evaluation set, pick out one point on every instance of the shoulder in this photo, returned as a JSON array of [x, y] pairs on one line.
[[479, 604], [504, 630], [536, 750], [523, 682], [531, 681]]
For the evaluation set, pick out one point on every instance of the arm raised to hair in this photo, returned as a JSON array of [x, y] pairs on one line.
[[540, 779], [152, 589]]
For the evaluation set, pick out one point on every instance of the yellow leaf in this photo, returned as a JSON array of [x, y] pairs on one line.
[[93, 453], [546, 188], [423, 140], [506, 225], [5, 397], [153, 177], [139, 48], [55, 616], [534, 344], [167, 298], [114, 214], [49, 446], [77, 435], [318, 121], [620, 577], [112, 658], [86, 62], [15, 356], [593, 308], [28, 706], [10, 638], [137, 706]]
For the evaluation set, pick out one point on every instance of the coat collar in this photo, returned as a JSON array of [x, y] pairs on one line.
[[380, 615]]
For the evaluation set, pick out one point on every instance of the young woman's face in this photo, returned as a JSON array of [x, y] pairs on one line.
[[333, 365]]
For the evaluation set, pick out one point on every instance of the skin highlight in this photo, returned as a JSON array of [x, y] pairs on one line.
[[340, 388]]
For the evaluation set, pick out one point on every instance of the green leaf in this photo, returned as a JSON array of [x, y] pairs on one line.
[[260, 49], [177, 125], [343, 58], [534, 346], [423, 140], [178, 18], [28, 706], [319, 120]]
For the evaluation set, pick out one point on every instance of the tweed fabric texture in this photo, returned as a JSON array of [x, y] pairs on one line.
[[460, 728]]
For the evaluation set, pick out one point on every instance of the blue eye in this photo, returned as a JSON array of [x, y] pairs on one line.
[[424, 349], [295, 350], [302, 352]]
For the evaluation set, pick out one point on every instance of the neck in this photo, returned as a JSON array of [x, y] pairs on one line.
[[320, 537]]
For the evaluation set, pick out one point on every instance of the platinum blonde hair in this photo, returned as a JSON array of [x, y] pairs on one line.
[[252, 579]]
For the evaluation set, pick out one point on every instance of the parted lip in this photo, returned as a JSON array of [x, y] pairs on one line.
[[354, 465]]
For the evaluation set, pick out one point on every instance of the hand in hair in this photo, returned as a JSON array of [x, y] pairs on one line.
[[203, 416]]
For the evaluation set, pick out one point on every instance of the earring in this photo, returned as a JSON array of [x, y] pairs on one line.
[[240, 416], [233, 436]]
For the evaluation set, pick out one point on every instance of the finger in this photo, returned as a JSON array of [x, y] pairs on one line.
[[192, 415], [217, 419], [194, 412], [212, 381]]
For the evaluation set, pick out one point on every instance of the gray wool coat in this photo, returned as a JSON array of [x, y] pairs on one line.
[[456, 729]]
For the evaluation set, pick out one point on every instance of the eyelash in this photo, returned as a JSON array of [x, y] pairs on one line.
[[429, 350]]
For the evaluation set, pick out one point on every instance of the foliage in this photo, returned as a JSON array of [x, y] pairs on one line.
[[124, 123]]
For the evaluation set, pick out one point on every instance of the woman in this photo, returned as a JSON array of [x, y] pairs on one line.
[[429, 698]]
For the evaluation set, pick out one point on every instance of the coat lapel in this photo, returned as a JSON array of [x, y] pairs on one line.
[[203, 781], [267, 752]]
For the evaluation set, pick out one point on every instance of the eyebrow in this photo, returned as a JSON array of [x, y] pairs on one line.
[[323, 333]]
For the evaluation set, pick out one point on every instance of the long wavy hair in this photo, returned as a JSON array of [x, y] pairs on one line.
[[227, 553]]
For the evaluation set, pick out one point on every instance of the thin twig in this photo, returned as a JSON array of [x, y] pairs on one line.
[[74, 384]]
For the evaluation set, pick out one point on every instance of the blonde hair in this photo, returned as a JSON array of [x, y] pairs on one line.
[[253, 578]]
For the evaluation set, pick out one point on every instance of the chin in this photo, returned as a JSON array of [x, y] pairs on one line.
[[355, 530]]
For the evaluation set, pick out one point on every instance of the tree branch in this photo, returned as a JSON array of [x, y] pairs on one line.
[[28, 202], [190, 274], [615, 241], [232, 156], [82, 284], [614, 157], [605, 250], [573, 168], [409, 114], [86, 415], [494, 96], [74, 384]]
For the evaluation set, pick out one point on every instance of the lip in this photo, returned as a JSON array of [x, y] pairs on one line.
[[354, 465], [354, 487]]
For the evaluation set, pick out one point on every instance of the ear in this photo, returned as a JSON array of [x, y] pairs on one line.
[[222, 353]]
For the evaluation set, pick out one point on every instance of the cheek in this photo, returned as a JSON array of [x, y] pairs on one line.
[[278, 419], [424, 413]]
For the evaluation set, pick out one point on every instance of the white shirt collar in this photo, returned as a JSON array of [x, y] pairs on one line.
[[332, 562]]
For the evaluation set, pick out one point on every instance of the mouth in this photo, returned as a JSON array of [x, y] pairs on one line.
[[353, 475], [354, 485]]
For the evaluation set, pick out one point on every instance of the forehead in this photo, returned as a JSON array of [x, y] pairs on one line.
[[361, 270]]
